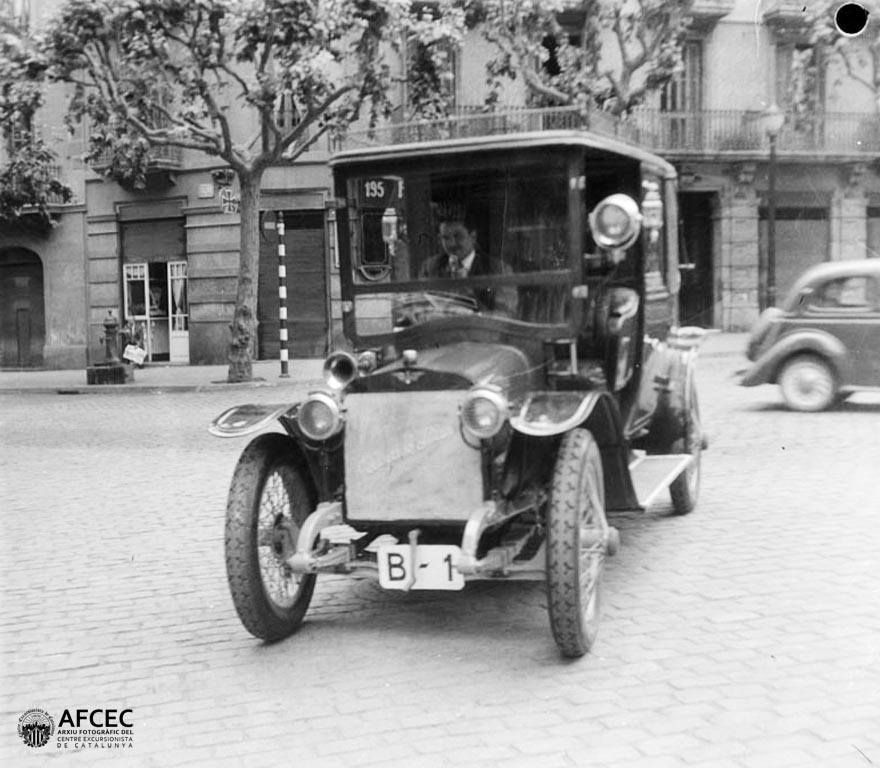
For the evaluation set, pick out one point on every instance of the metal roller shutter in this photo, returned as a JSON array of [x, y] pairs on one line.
[[306, 287]]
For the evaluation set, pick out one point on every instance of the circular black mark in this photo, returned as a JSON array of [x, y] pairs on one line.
[[851, 19]]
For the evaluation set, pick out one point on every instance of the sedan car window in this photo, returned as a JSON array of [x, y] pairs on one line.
[[848, 293]]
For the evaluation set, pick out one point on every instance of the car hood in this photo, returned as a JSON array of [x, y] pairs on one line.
[[459, 366]]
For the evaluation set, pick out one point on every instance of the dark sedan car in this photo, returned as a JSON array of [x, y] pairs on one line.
[[825, 340]]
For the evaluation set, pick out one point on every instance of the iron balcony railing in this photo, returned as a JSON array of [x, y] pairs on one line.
[[722, 131], [50, 173], [52, 198], [160, 158], [678, 134]]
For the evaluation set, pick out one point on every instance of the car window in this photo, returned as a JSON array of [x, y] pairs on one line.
[[846, 294]]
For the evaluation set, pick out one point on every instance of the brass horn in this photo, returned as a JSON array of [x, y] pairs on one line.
[[340, 369]]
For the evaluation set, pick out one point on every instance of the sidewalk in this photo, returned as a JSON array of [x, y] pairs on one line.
[[199, 378], [162, 378]]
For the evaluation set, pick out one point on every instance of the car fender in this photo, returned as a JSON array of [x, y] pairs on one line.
[[766, 368], [246, 419], [548, 414]]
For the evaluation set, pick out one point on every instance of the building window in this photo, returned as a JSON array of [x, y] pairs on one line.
[[684, 91], [20, 134], [800, 91], [681, 100], [432, 79]]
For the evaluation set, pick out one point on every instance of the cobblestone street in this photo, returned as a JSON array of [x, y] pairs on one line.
[[746, 634]]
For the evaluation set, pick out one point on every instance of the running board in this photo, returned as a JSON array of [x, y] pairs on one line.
[[651, 475]]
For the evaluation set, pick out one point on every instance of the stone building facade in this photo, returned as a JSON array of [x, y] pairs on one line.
[[166, 257]]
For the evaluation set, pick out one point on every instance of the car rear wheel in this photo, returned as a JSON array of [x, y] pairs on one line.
[[807, 383], [685, 489], [577, 535], [269, 499]]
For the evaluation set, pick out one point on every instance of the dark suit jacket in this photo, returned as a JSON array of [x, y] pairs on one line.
[[438, 266]]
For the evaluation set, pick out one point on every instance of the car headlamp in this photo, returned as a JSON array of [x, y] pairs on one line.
[[615, 222], [319, 416], [484, 412]]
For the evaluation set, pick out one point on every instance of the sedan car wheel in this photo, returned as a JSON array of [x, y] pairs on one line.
[[807, 383]]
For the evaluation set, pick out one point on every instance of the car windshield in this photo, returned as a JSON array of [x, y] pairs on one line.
[[430, 243]]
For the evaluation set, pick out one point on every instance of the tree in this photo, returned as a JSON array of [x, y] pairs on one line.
[[27, 179], [154, 73], [605, 53]]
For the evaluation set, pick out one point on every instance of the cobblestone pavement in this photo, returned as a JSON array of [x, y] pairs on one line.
[[746, 634]]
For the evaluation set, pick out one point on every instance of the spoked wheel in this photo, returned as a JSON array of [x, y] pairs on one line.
[[269, 500], [807, 383], [685, 489], [577, 534]]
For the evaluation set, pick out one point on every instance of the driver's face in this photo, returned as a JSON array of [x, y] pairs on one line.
[[455, 239]]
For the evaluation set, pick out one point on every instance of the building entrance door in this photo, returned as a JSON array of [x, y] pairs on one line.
[[22, 309], [156, 306], [178, 313], [696, 298]]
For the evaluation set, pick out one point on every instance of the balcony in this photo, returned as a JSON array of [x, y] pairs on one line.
[[475, 121], [160, 159], [705, 14], [708, 134], [727, 132], [34, 219]]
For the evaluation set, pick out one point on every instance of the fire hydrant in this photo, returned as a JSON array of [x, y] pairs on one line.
[[111, 329]]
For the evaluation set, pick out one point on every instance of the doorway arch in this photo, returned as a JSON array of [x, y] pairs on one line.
[[22, 309]]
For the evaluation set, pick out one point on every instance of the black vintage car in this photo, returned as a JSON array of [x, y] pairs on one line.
[[515, 374]]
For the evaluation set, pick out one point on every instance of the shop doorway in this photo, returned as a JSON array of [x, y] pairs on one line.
[[22, 309], [696, 299], [156, 307]]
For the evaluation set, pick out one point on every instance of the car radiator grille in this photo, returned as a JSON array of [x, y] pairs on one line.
[[405, 458]]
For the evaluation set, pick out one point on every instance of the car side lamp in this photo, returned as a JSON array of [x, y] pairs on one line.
[[652, 211], [389, 229]]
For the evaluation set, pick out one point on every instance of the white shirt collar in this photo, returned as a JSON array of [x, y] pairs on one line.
[[467, 262]]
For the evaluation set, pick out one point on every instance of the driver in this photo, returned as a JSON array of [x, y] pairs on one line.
[[461, 256]]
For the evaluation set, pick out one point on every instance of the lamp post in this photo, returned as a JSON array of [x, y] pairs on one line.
[[772, 119]]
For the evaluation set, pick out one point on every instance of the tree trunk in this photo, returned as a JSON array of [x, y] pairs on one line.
[[243, 328]]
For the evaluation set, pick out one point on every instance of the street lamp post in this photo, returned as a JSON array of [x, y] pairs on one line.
[[773, 118]]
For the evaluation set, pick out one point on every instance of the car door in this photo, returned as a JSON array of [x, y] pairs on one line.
[[849, 309]]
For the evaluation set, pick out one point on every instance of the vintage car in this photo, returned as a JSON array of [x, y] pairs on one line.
[[824, 342], [480, 426]]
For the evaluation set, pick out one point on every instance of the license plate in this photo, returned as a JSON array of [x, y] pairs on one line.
[[434, 567]]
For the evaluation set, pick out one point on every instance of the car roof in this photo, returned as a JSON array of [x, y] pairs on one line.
[[831, 270], [531, 140]]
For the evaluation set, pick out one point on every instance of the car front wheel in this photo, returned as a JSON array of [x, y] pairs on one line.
[[269, 499], [807, 383], [576, 543]]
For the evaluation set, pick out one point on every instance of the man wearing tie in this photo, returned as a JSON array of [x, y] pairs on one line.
[[461, 257]]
